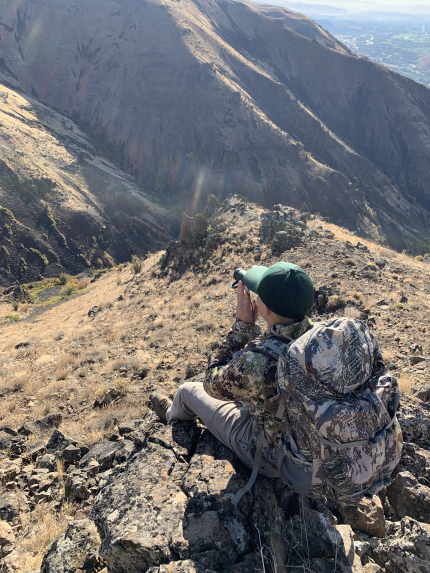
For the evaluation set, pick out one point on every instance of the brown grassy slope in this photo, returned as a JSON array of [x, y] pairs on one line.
[[95, 210]]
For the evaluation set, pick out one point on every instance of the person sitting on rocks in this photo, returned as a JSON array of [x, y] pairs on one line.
[[239, 394]]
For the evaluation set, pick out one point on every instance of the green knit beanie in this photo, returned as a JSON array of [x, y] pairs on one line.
[[285, 288]]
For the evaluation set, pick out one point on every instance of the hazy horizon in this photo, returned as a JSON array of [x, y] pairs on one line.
[[359, 6]]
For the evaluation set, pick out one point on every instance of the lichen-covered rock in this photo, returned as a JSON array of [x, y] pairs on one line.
[[415, 460], [409, 497], [12, 504], [76, 551], [406, 549], [414, 418], [160, 510]]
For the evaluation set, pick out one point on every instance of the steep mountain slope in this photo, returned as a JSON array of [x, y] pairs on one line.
[[217, 96], [63, 206]]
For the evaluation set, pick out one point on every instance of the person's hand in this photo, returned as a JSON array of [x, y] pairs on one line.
[[246, 309]]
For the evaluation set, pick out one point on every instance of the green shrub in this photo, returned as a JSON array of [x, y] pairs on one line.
[[50, 217], [15, 305], [14, 317], [419, 257], [120, 267], [69, 289], [118, 280], [8, 213], [63, 278], [23, 264], [136, 264], [39, 254]]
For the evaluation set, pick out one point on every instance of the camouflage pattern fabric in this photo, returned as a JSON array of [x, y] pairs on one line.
[[251, 377], [344, 354]]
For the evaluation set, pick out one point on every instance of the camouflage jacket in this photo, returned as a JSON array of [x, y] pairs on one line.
[[251, 377]]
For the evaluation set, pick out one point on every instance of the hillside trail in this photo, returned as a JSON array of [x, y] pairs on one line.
[[75, 389]]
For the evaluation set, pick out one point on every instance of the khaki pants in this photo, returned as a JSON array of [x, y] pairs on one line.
[[229, 422]]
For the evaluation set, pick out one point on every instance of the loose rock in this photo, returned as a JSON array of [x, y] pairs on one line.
[[74, 551]]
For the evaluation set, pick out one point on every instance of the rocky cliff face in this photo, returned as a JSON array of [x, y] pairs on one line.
[[211, 97]]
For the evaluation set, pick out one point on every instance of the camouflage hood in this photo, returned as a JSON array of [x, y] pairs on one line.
[[338, 353]]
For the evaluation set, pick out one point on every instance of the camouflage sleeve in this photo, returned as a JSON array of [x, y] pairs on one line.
[[242, 379], [237, 338]]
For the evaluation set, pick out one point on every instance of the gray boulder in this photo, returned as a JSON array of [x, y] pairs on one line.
[[12, 504], [102, 452], [74, 551], [409, 497], [58, 442]]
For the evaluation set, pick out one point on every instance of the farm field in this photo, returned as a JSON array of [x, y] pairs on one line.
[[401, 44]]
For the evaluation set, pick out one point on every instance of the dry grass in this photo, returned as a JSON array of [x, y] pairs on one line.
[[14, 382], [405, 382], [388, 355], [39, 529]]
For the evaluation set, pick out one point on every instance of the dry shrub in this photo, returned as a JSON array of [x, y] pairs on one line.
[[121, 385], [14, 382], [352, 312], [61, 373], [335, 302], [405, 382], [39, 529], [305, 264], [358, 295], [131, 363], [370, 302], [387, 253], [350, 261]]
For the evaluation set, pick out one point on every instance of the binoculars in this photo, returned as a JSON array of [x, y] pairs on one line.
[[238, 276]]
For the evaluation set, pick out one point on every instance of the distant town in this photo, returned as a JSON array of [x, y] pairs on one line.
[[401, 43]]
